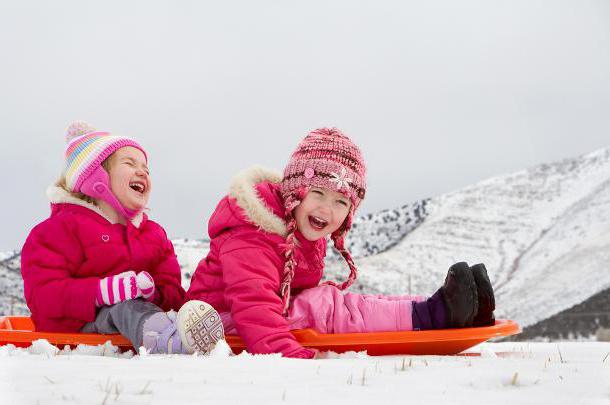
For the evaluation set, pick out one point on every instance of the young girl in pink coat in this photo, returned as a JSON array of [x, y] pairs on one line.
[[98, 264], [266, 259]]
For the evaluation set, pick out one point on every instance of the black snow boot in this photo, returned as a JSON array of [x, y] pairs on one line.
[[485, 294], [460, 295]]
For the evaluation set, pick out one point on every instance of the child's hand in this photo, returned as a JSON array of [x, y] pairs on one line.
[[114, 289], [125, 286], [146, 285]]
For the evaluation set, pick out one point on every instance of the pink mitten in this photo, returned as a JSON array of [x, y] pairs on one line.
[[114, 289], [146, 285]]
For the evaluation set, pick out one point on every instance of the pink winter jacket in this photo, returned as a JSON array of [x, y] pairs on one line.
[[65, 256], [242, 271]]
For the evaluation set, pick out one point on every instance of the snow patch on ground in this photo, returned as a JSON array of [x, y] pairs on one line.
[[491, 373]]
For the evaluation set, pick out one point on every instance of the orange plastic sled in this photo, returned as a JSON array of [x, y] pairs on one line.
[[19, 331]]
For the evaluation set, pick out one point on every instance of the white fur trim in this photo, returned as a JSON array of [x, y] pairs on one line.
[[243, 190], [58, 195]]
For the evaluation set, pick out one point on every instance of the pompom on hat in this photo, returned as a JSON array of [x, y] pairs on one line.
[[326, 158], [86, 149]]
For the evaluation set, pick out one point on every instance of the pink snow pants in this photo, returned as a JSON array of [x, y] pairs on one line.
[[328, 310]]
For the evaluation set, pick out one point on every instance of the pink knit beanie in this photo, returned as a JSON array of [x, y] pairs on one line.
[[85, 151], [325, 158], [329, 159]]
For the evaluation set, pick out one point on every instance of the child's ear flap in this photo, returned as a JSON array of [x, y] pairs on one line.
[[301, 192], [294, 199]]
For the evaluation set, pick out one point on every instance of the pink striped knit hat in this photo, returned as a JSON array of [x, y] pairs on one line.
[[86, 150], [325, 158]]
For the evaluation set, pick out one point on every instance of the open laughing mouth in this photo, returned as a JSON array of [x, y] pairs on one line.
[[317, 223], [138, 186]]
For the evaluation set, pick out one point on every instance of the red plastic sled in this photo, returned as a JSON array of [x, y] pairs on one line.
[[19, 331]]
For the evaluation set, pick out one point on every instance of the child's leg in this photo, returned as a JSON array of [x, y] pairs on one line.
[[454, 305], [430, 313], [143, 323], [127, 318], [328, 310]]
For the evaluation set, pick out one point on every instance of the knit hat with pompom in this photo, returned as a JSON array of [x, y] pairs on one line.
[[86, 149], [326, 158]]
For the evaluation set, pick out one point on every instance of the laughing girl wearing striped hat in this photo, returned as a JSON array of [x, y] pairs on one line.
[[98, 264]]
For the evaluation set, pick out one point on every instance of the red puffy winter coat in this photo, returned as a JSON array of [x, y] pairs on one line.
[[242, 271], [65, 256]]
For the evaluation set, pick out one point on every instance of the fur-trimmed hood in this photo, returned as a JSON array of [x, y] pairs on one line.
[[244, 267], [58, 195], [260, 207], [254, 198]]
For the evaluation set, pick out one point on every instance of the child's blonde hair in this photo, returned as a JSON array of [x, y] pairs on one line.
[[61, 183]]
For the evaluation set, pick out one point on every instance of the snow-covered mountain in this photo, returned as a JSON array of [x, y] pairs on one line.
[[544, 234], [375, 233], [11, 284]]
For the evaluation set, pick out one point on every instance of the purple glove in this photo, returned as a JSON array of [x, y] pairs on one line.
[[125, 286]]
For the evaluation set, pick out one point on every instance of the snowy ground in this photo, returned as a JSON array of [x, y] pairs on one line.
[[502, 373]]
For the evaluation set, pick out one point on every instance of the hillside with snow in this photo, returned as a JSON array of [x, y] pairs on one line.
[[544, 234]]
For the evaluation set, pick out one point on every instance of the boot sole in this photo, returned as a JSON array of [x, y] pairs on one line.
[[485, 293], [461, 312], [199, 326]]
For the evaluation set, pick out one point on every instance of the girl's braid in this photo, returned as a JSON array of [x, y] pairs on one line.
[[338, 238], [290, 203]]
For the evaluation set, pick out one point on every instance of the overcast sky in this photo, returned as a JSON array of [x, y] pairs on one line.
[[438, 94]]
